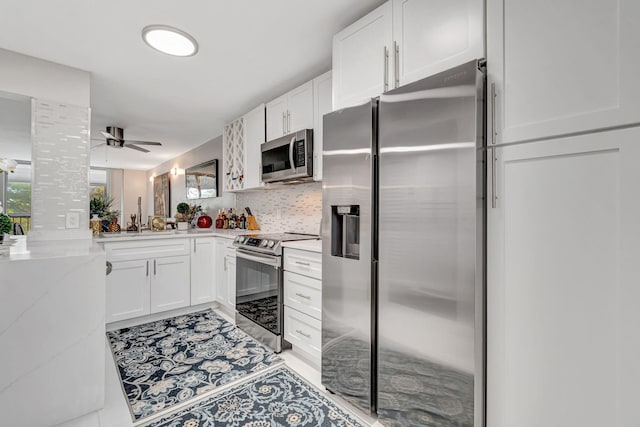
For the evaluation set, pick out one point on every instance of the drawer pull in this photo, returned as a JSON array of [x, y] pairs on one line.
[[302, 333], [303, 296], [303, 263]]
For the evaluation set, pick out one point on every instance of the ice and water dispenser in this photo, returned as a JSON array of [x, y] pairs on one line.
[[345, 231]]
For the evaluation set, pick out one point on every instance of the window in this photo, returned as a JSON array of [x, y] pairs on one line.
[[19, 196]]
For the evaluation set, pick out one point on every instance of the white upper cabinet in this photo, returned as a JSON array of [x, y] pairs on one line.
[[254, 137], [300, 108], [362, 58], [290, 112], [431, 36], [276, 118], [403, 41], [322, 100], [561, 67]]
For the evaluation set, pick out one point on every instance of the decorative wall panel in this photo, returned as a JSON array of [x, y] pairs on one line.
[[60, 170], [296, 208]]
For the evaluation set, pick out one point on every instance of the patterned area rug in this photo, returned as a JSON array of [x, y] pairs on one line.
[[277, 398], [169, 362]]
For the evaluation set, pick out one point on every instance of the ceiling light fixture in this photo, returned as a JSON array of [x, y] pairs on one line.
[[169, 40]]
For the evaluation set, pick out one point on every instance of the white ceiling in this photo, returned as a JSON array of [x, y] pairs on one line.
[[251, 51]]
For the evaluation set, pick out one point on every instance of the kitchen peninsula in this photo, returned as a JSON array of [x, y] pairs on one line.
[[51, 331]]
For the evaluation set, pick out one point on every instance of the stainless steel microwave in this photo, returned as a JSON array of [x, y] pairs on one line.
[[289, 157]]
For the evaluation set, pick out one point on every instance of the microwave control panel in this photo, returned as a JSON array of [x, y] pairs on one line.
[[299, 153]]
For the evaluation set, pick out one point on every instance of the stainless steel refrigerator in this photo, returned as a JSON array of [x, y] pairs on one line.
[[403, 238]]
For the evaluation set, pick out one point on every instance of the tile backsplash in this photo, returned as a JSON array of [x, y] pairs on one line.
[[295, 208], [60, 170]]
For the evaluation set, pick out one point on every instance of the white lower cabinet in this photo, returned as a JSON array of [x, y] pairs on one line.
[[231, 278], [148, 276], [226, 273], [303, 302], [303, 332], [203, 270], [170, 283], [303, 294], [145, 286], [128, 290]]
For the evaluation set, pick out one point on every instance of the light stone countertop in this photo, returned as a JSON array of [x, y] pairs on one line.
[[169, 234], [305, 245], [24, 250]]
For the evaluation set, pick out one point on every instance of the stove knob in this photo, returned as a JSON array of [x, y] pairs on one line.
[[271, 243], [240, 239], [263, 243]]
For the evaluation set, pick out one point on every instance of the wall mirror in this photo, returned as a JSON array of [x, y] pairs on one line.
[[202, 180]]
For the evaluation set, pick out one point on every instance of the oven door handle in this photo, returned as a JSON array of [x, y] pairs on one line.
[[273, 261]]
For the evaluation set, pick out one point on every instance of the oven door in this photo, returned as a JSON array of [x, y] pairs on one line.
[[288, 157], [258, 289]]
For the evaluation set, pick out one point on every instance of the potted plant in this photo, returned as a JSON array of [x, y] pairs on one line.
[[100, 208], [5, 226], [186, 214]]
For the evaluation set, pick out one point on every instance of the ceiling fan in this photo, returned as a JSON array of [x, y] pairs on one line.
[[115, 138]]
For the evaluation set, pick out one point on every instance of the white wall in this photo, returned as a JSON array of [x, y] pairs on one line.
[[134, 185], [210, 150], [37, 78]]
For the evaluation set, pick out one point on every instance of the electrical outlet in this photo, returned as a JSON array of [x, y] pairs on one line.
[[73, 220]]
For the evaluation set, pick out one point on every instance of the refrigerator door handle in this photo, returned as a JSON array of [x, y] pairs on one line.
[[494, 193], [385, 79], [493, 114]]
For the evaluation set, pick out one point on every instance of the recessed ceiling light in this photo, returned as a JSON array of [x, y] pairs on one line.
[[169, 40]]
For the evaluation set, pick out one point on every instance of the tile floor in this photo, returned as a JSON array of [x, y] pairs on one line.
[[116, 411]]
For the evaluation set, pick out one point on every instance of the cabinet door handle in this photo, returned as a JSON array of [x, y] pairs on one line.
[[194, 246], [303, 334], [147, 268], [225, 263], [284, 124], [288, 121], [396, 63], [154, 267], [303, 296], [386, 69], [494, 193], [303, 263], [493, 114]]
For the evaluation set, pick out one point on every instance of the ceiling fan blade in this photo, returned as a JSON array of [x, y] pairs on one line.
[[108, 135], [131, 141], [135, 147], [98, 145]]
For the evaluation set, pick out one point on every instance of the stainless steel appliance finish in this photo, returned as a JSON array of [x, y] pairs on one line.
[[259, 296], [289, 157], [269, 243], [259, 286], [346, 281], [425, 260]]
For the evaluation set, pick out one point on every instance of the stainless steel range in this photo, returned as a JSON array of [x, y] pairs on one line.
[[259, 286]]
